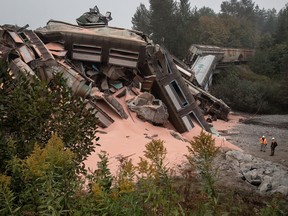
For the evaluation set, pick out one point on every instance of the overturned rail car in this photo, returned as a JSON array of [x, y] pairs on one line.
[[224, 55], [198, 50], [100, 44], [203, 68], [207, 102], [236, 56], [171, 88]]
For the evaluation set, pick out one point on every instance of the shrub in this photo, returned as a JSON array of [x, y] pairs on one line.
[[32, 110], [246, 91], [202, 151], [45, 180], [7, 197]]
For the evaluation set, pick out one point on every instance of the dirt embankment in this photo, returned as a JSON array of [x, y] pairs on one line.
[[247, 132]]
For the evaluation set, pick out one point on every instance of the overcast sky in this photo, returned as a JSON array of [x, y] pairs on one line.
[[36, 13]]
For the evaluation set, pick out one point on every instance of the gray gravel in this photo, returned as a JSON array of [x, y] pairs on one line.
[[247, 133]]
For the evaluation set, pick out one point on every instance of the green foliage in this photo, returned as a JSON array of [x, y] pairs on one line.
[[7, 197], [43, 183], [176, 26], [102, 176], [183, 20], [246, 91], [268, 20], [242, 33], [162, 21], [145, 189], [160, 195], [271, 55], [202, 152], [206, 11], [260, 62], [238, 8], [141, 19], [7, 151], [213, 31], [282, 27], [271, 60], [276, 207], [33, 110], [48, 159], [156, 153], [48, 176]]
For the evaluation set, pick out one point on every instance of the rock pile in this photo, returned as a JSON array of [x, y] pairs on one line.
[[268, 177]]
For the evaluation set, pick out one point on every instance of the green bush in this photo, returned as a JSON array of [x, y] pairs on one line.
[[202, 151], [32, 110], [277, 206], [246, 91]]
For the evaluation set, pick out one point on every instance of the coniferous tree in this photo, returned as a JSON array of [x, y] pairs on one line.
[[282, 27], [141, 20], [242, 8], [163, 22], [184, 32]]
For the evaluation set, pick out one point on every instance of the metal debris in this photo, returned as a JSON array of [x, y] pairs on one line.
[[102, 64], [94, 17]]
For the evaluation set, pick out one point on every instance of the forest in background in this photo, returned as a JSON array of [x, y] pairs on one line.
[[240, 24]]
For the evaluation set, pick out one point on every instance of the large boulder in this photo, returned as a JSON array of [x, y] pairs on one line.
[[267, 176]]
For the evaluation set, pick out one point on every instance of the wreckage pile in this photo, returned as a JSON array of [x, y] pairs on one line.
[[103, 64]]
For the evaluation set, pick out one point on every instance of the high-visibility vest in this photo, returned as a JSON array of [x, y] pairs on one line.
[[263, 141]]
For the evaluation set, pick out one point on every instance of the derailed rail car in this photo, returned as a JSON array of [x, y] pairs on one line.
[[236, 56], [102, 44], [172, 89]]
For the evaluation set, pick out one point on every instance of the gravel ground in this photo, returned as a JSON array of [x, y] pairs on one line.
[[247, 132]]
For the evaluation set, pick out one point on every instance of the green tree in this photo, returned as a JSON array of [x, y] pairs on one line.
[[241, 8], [268, 20], [241, 32], [141, 20], [32, 110], [242, 19], [282, 27], [279, 59], [163, 22], [184, 29], [206, 11], [213, 31], [246, 91]]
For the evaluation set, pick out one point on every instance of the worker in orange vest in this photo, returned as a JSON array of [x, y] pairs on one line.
[[263, 143]]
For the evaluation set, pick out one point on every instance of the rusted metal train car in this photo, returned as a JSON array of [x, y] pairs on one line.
[[224, 55], [236, 56]]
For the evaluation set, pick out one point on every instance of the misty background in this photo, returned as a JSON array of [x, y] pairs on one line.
[[38, 13]]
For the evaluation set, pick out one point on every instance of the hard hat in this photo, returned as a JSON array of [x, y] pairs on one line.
[[263, 136], [273, 138]]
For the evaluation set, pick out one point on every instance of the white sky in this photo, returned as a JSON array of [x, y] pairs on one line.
[[37, 13]]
